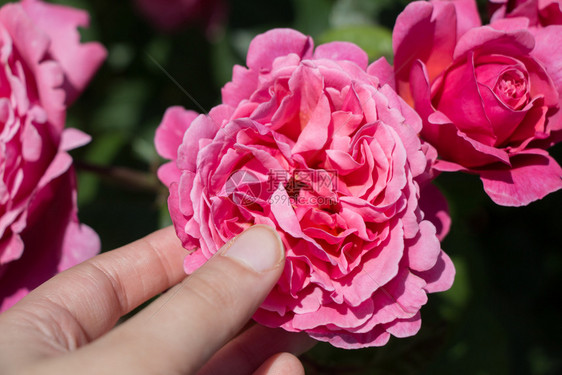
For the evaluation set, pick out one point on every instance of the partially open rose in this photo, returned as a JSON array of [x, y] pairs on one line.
[[307, 142], [489, 100], [44, 67]]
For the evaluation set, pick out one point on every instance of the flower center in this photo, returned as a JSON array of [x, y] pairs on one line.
[[511, 87]]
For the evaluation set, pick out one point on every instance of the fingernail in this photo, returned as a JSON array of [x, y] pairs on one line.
[[259, 248]]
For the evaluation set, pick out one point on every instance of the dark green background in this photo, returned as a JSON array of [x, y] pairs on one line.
[[500, 317]]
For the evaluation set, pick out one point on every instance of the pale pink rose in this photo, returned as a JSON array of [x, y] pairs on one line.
[[171, 15], [489, 96], [44, 67], [308, 142], [540, 13]]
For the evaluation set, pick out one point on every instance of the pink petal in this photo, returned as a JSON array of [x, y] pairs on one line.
[[423, 33], [342, 316], [315, 133], [503, 119], [423, 253], [11, 248], [244, 83], [550, 12], [50, 245], [193, 261], [180, 222], [511, 24], [266, 47], [441, 276], [405, 327], [490, 41], [32, 44], [342, 51], [169, 133], [533, 175], [169, 173], [31, 143], [438, 130], [551, 58], [60, 23], [461, 101], [80, 243], [401, 298], [378, 268], [466, 11], [383, 71], [520, 9], [73, 138], [60, 164], [201, 128], [50, 81], [342, 339]]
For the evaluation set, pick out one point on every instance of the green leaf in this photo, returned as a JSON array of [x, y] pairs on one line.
[[375, 40], [143, 143], [312, 17], [122, 109], [223, 59], [356, 12]]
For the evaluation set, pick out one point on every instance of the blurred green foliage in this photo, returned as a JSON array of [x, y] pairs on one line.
[[500, 317]]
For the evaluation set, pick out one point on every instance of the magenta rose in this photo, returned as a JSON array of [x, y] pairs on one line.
[[171, 15], [540, 13], [308, 142], [44, 68], [489, 96]]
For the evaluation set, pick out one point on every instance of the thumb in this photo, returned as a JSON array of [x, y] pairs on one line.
[[182, 329]]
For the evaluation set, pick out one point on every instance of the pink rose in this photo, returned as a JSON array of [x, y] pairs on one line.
[[540, 13], [308, 142], [171, 15], [489, 96], [44, 67]]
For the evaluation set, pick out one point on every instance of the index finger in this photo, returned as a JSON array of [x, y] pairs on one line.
[[180, 331], [97, 292]]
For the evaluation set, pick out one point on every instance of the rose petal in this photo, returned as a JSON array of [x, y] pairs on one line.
[[441, 276], [60, 23], [383, 71], [342, 51], [423, 253], [466, 11], [533, 175], [438, 129], [169, 133], [436, 27], [286, 41]]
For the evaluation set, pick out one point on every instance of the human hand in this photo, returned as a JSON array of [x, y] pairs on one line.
[[65, 326]]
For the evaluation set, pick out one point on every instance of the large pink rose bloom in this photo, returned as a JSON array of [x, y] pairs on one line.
[[489, 96], [307, 142], [540, 13], [44, 68]]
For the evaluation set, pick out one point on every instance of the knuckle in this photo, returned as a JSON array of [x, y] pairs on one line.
[[218, 292]]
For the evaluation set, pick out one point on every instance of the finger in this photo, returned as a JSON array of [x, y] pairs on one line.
[[183, 328], [86, 301], [281, 364], [249, 350]]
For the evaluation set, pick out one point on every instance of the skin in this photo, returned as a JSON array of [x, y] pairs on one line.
[[200, 325]]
